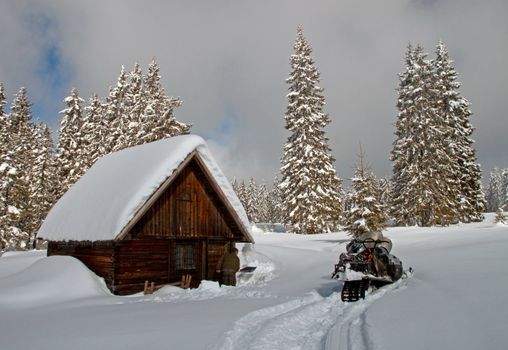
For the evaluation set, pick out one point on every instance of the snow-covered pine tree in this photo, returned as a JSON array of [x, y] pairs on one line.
[[386, 188], [2, 102], [241, 192], [16, 162], [263, 203], [11, 236], [43, 182], [128, 125], [159, 121], [275, 206], [95, 132], [455, 110], [309, 183], [500, 216], [4, 130], [495, 193], [135, 104], [71, 152], [366, 212], [116, 114], [425, 190], [504, 188], [252, 201]]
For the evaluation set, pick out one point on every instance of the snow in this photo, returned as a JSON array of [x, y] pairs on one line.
[[108, 196], [455, 299]]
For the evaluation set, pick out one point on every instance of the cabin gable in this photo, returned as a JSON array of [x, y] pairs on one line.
[[188, 207]]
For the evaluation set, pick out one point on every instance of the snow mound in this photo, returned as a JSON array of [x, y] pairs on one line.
[[209, 286], [13, 262], [51, 280]]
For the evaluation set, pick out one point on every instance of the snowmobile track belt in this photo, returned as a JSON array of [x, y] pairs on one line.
[[354, 290]]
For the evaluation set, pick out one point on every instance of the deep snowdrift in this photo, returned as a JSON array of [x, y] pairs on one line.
[[456, 299], [49, 280]]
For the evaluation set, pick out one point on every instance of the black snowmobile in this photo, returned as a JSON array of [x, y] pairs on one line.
[[366, 264]]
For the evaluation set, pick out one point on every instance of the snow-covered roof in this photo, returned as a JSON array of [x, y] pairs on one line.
[[105, 199]]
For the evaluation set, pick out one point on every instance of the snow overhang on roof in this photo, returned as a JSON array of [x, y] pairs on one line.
[[105, 200]]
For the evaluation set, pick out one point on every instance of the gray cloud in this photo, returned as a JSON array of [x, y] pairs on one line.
[[228, 61]]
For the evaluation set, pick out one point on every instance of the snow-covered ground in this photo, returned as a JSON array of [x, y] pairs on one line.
[[456, 299]]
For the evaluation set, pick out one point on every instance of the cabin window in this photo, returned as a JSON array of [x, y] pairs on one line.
[[184, 257]]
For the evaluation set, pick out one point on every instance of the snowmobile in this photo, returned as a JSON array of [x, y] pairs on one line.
[[366, 264]]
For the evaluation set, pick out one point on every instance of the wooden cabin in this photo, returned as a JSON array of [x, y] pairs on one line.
[[153, 213]]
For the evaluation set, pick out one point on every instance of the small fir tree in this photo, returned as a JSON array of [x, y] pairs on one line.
[[366, 212], [500, 216]]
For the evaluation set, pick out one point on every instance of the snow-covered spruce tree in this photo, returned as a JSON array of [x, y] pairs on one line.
[[263, 203], [252, 201], [16, 163], [116, 114], [43, 184], [455, 110], [495, 193], [425, 188], [275, 206], [158, 120], [71, 151], [133, 101], [310, 185], [500, 216], [11, 236], [504, 188], [4, 130], [366, 212], [2, 102], [241, 192], [95, 132], [386, 189]]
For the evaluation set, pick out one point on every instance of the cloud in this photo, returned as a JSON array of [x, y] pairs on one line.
[[228, 61]]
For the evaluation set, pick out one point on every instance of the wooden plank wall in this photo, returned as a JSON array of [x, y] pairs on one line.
[[153, 260], [189, 208], [139, 261]]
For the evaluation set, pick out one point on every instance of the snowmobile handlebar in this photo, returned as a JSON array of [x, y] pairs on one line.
[[370, 244]]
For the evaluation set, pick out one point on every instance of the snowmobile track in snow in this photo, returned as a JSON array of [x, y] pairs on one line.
[[312, 322], [351, 332]]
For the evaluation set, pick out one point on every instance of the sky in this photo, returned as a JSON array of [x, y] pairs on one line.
[[228, 61]]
